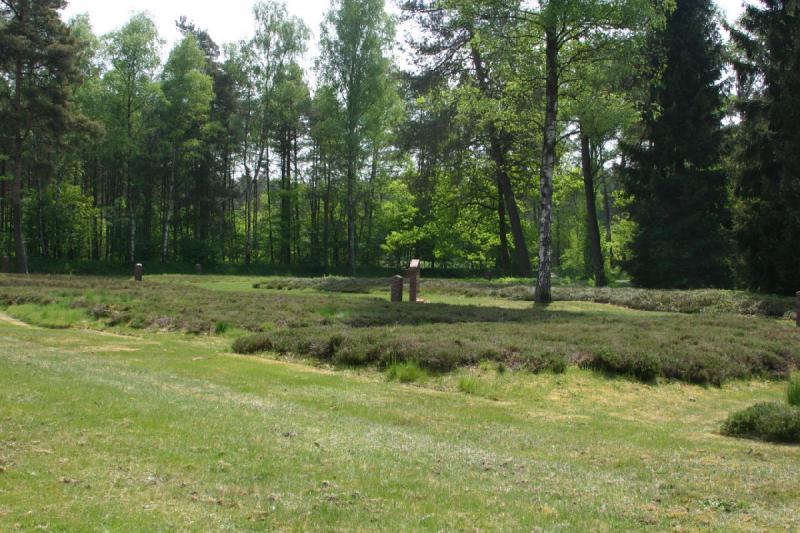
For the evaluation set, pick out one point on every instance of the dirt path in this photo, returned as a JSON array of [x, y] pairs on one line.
[[13, 321]]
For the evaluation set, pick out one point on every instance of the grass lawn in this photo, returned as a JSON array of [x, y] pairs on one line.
[[112, 420]]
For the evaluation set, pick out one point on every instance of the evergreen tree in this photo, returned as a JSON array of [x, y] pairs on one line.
[[681, 200], [39, 61], [768, 154]]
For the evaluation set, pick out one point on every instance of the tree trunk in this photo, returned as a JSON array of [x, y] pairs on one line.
[[592, 227], [351, 217], [503, 259], [543, 284], [286, 201], [295, 156], [168, 209], [16, 186], [327, 217], [16, 208], [607, 218]]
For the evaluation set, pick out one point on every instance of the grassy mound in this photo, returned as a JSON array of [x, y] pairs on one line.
[[769, 421]]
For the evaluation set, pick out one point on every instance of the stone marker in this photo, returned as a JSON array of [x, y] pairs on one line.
[[5, 264], [138, 270], [198, 269], [413, 281], [797, 311], [397, 289]]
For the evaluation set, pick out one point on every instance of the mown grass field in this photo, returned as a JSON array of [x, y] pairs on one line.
[[113, 417]]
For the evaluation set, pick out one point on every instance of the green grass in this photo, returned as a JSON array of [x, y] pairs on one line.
[[155, 431]]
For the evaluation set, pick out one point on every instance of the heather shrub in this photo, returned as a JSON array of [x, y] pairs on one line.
[[772, 422]]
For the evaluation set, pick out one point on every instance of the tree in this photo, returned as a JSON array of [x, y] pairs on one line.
[[355, 37], [278, 43], [39, 58], [291, 101], [681, 205], [133, 54], [568, 33], [189, 92], [604, 110], [767, 171], [465, 42]]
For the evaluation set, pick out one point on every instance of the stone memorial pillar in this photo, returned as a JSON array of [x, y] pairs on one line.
[[5, 265], [413, 281], [198, 269], [397, 289], [138, 270]]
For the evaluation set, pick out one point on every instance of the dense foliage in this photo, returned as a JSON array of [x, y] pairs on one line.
[[674, 175], [587, 139]]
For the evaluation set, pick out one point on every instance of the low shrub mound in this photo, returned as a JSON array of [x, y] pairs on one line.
[[642, 366], [384, 348], [771, 422]]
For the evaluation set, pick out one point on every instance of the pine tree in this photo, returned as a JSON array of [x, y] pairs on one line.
[[681, 202], [768, 147], [39, 57]]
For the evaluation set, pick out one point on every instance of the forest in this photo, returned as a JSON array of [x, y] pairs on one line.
[[591, 140]]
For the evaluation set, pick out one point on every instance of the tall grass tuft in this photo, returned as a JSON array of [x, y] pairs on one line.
[[53, 316], [469, 385], [408, 372], [793, 391]]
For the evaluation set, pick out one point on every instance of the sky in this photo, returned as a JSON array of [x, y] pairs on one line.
[[226, 21]]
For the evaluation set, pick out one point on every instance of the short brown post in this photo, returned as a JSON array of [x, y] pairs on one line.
[[397, 289], [5, 264], [797, 311], [198, 269], [138, 270], [413, 281]]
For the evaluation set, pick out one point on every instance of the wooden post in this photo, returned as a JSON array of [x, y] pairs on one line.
[[138, 270], [5, 265], [397, 289], [198, 269], [413, 281], [797, 310]]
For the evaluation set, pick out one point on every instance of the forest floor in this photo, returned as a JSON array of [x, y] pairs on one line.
[[113, 417]]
